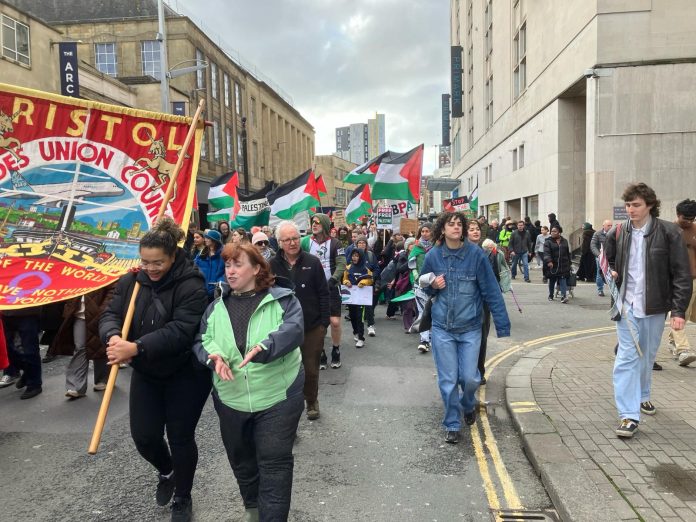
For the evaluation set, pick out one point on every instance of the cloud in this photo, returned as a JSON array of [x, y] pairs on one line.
[[342, 61]]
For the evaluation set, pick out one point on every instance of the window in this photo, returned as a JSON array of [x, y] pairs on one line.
[[520, 156], [214, 79], [204, 144], [488, 173], [150, 56], [489, 102], [237, 98], [200, 73], [340, 196], [15, 40], [255, 156], [514, 160], [226, 86], [228, 145], [240, 154], [105, 58], [252, 103], [519, 72], [216, 141]]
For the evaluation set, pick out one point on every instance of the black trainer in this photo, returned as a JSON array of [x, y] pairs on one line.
[[165, 490], [336, 357], [322, 361], [648, 408], [657, 367], [182, 509], [627, 428], [452, 437], [470, 418]]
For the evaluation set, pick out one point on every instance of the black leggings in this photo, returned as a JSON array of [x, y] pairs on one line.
[[175, 403]]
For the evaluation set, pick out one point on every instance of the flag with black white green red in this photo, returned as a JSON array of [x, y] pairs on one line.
[[399, 176], [365, 173], [473, 199], [360, 204], [321, 186], [223, 198], [296, 196]]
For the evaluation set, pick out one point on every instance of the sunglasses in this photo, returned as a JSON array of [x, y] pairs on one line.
[[262, 243]]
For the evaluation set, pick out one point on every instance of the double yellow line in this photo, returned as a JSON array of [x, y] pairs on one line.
[[486, 447]]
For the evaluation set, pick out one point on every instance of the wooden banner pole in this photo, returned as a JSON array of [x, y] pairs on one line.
[[113, 373]]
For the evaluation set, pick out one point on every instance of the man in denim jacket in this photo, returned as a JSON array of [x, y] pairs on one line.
[[459, 276]]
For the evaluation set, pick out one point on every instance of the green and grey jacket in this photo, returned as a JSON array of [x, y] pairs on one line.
[[278, 327]]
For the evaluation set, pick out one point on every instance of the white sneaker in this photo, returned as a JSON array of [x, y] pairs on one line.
[[424, 347], [355, 337], [359, 343], [686, 358], [371, 331], [73, 394], [7, 380]]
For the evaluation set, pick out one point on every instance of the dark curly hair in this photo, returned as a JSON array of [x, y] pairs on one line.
[[446, 217], [687, 208], [647, 194], [165, 234], [264, 279]]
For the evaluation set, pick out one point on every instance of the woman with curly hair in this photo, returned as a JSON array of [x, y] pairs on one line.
[[168, 387], [458, 276]]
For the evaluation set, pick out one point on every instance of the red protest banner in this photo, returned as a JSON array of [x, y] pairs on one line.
[[80, 183]]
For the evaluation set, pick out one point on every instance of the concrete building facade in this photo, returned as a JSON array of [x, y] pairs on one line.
[[360, 142], [117, 41], [564, 105], [333, 169]]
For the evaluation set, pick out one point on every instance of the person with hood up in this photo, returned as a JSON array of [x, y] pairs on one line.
[[357, 274], [416, 258], [210, 262], [250, 338], [168, 388], [331, 253]]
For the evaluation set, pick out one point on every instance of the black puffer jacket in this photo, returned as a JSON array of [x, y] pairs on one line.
[[668, 282], [165, 321], [559, 255]]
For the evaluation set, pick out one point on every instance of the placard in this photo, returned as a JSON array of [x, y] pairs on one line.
[[354, 295], [385, 217], [408, 226], [339, 218]]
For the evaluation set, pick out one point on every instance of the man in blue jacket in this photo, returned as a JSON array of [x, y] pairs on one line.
[[459, 277]]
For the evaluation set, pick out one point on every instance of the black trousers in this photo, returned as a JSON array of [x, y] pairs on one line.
[[355, 312], [176, 404], [259, 448]]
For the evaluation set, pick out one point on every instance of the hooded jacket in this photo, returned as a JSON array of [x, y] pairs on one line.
[[358, 273], [277, 326], [668, 283], [165, 320], [213, 268]]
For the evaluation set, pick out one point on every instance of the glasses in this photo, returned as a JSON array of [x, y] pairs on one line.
[[315, 222], [261, 243], [290, 240], [156, 265]]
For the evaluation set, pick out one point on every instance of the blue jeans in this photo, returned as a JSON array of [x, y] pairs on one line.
[[456, 360], [633, 373], [523, 259], [599, 279]]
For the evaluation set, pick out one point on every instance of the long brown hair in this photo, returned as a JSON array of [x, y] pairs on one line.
[[264, 279]]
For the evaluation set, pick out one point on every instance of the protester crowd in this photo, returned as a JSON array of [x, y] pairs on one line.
[[244, 315]]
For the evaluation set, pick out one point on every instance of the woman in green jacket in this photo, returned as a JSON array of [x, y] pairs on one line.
[[250, 338]]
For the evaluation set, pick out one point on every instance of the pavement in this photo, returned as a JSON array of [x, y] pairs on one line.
[[560, 397]]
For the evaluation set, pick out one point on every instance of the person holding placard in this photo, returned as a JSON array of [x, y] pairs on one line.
[[357, 274]]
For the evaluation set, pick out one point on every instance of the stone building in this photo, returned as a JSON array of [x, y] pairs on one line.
[[333, 169], [564, 103], [118, 40]]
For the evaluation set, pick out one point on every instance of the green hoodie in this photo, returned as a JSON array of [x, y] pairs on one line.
[[277, 326]]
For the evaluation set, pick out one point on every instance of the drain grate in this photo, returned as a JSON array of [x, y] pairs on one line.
[[521, 515]]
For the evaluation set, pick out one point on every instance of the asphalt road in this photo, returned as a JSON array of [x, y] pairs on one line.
[[376, 453]]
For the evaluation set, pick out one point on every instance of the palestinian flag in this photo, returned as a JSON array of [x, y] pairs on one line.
[[223, 198], [366, 172], [254, 211], [399, 177], [321, 187], [473, 199], [295, 196], [360, 204]]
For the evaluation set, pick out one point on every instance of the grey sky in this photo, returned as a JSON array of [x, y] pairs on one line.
[[344, 60]]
